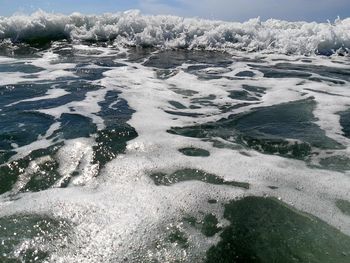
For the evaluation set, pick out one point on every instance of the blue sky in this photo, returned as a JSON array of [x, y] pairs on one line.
[[231, 10]]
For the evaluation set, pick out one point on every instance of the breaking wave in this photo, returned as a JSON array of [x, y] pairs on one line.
[[134, 29]]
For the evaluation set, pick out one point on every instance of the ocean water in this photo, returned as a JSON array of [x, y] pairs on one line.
[[132, 138]]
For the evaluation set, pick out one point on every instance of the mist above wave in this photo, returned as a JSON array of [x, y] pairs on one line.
[[134, 29]]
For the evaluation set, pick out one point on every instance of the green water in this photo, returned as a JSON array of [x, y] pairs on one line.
[[195, 152], [267, 230], [286, 129], [193, 175], [30, 238]]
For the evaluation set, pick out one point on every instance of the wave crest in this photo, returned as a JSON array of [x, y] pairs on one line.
[[135, 29]]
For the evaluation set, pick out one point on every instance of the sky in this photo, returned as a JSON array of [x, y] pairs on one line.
[[229, 10]]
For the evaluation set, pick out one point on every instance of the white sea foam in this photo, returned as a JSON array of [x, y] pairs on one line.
[[123, 211], [50, 71], [133, 28], [74, 156]]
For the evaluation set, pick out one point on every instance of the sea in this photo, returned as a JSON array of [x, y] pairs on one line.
[[134, 138]]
